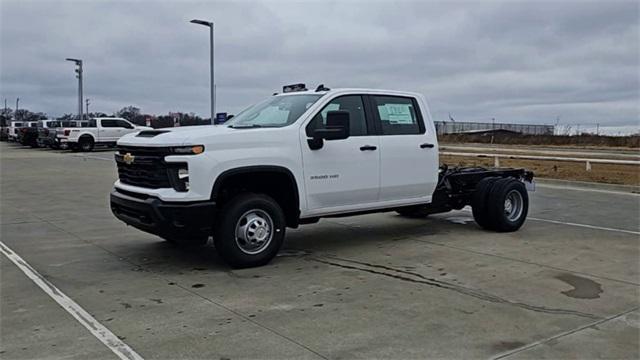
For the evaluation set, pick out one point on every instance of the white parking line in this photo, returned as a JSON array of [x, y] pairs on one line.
[[468, 210], [586, 226], [573, 188], [562, 334], [122, 350]]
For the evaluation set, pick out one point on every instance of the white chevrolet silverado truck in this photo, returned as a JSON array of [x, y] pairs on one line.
[[100, 132], [294, 158]]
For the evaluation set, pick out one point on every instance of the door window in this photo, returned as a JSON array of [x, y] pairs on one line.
[[124, 124], [109, 123], [398, 115], [351, 103]]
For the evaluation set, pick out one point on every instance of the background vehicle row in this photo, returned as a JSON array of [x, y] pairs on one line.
[[78, 135]]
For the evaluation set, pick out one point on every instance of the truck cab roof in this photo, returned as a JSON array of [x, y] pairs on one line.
[[337, 91]]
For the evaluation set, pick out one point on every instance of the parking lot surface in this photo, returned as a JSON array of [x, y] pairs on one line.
[[566, 285]]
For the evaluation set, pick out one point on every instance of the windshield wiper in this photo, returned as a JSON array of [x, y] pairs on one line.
[[245, 126]]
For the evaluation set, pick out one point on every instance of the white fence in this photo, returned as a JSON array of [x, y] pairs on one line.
[[450, 127], [587, 161]]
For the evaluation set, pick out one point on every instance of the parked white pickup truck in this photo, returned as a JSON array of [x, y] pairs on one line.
[[14, 129], [297, 157], [101, 132]]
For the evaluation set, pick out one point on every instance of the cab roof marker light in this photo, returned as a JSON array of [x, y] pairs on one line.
[[294, 88]]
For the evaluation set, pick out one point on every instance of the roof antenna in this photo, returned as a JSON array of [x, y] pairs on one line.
[[322, 88]]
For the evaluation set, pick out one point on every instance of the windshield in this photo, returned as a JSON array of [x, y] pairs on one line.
[[277, 111]]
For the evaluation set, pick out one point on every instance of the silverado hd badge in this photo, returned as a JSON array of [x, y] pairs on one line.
[[128, 158]]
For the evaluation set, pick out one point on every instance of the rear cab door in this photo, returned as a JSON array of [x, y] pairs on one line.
[[408, 148], [107, 130]]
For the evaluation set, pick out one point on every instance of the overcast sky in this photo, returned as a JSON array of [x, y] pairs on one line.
[[512, 61]]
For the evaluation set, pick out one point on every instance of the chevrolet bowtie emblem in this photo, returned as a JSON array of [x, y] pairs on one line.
[[128, 158]]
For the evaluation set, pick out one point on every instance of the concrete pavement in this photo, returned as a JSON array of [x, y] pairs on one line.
[[377, 286]]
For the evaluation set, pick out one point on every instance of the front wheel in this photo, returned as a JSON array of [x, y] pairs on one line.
[[250, 230]]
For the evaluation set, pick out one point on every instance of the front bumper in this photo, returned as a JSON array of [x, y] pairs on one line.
[[165, 219]]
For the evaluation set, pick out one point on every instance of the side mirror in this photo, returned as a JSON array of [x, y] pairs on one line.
[[337, 128]]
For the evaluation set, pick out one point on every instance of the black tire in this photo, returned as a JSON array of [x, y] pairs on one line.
[[191, 241], [414, 212], [85, 144], [502, 219], [479, 203], [243, 253]]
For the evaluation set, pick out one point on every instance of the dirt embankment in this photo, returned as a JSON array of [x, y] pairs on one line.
[[585, 140]]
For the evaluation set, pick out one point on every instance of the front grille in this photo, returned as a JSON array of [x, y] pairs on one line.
[[148, 168]]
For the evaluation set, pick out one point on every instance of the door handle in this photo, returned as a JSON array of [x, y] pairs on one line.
[[426, 145], [368, 148]]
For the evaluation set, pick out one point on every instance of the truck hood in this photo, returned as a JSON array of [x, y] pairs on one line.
[[193, 135]]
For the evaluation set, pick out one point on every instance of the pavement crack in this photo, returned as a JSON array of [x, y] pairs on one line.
[[416, 278]]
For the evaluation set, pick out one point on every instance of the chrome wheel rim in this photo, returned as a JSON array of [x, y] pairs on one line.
[[254, 231], [513, 205]]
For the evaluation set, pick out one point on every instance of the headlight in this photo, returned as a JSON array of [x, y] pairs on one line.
[[188, 150]]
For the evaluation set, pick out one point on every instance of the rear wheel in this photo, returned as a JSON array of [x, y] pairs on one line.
[[250, 230], [508, 205], [480, 200], [85, 144]]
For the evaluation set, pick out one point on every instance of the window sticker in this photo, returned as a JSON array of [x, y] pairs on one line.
[[396, 113]]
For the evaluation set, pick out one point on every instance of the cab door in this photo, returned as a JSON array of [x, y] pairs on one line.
[[408, 149], [345, 172], [124, 127], [108, 130]]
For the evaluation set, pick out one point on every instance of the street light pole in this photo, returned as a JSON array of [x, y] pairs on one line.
[[87, 112], [15, 115], [213, 99], [78, 62]]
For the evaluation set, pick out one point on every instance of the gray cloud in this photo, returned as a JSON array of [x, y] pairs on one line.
[[515, 61]]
